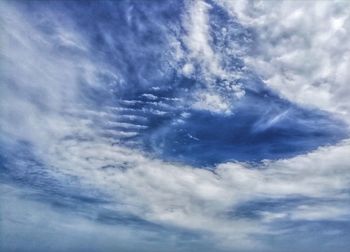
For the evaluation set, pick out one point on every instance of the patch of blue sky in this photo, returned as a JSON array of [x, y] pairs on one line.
[[262, 125]]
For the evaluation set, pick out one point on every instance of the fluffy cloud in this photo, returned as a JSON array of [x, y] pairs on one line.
[[202, 199], [300, 49]]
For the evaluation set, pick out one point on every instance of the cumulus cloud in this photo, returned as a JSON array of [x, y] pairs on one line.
[[300, 49]]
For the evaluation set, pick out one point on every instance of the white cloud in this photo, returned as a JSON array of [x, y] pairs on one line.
[[198, 199], [41, 84], [300, 49], [175, 195], [211, 102], [198, 39], [37, 226], [204, 63]]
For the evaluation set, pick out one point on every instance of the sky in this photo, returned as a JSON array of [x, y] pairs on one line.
[[206, 125]]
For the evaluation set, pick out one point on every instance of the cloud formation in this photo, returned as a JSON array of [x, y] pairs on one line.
[[58, 103], [300, 50]]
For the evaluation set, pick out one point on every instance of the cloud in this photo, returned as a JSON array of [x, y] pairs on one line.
[[37, 91], [31, 224], [299, 49], [198, 39], [211, 102], [204, 62], [45, 103]]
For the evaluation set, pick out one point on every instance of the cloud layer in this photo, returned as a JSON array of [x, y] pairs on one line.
[[79, 106]]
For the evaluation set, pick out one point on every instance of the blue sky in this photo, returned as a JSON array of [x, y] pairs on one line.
[[174, 126]]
